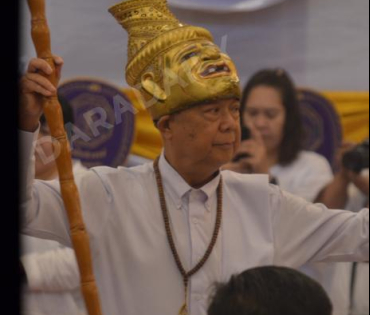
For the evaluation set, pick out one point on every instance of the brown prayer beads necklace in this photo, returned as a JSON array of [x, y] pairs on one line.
[[187, 275]]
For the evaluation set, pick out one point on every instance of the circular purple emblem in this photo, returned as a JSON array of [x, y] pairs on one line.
[[103, 131], [323, 130]]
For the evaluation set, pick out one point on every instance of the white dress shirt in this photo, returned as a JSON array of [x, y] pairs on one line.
[[135, 271]]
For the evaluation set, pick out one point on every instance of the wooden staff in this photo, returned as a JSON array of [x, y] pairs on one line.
[[70, 195]]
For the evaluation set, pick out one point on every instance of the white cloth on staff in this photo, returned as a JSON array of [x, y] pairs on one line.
[[306, 177], [135, 270], [53, 279], [55, 270]]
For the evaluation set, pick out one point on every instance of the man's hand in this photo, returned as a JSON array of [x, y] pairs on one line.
[[33, 87]]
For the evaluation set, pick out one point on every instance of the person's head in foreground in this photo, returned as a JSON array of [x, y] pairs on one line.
[[270, 291], [189, 86]]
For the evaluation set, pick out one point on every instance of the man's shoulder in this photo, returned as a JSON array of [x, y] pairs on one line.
[[245, 180], [121, 171], [109, 176]]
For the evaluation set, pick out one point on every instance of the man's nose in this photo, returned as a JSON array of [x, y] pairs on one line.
[[229, 122]]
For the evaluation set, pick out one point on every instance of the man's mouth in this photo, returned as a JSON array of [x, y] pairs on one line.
[[216, 70], [225, 145]]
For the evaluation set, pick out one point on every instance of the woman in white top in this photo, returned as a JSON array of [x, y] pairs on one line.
[[270, 111]]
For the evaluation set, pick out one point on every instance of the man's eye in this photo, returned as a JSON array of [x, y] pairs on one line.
[[213, 110], [188, 56], [236, 108]]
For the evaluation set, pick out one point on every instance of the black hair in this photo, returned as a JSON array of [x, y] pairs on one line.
[[280, 80], [270, 291]]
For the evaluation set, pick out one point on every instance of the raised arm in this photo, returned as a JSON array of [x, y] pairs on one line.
[[36, 196], [42, 206], [306, 232]]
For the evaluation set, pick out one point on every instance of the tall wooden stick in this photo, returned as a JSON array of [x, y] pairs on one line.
[[70, 195]]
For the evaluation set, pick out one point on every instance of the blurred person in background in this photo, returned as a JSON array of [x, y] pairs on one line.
[[350, 190], [273, 137], [273, 144]]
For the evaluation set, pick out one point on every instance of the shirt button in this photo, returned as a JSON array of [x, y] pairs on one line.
[[195, 221]]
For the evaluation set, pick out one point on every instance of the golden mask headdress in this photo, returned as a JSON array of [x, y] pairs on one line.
[[174, 66]]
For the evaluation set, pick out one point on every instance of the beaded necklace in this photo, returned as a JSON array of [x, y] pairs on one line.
[[187, 274]]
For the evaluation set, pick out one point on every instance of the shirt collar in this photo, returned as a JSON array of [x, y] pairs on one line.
[[177, 187]]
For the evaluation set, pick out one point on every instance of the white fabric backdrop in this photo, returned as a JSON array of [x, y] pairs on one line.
[[223, 6], [323, 43]]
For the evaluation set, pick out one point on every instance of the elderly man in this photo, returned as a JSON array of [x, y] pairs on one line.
[[163, 233]]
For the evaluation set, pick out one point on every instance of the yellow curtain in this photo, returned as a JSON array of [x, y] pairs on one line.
[[352, 107], [148, 141]]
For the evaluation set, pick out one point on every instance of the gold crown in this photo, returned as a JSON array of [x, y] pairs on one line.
[[152, 30]]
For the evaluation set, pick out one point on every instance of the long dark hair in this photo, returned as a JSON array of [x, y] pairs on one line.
[[280, 80]]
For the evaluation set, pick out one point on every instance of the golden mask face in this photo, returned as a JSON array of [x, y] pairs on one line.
[[194, 72]]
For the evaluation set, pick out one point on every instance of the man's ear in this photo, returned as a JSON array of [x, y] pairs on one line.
[[151, 87], [163, 126]]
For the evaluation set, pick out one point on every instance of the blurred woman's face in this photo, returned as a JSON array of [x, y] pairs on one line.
[[265, 110]]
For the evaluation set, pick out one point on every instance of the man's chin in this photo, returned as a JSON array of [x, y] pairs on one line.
[[224, 157]]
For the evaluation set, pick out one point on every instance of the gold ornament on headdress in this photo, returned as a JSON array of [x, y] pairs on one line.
[[168, 83], [152, 30]]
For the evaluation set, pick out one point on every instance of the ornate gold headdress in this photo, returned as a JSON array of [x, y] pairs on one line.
[[153, 31]]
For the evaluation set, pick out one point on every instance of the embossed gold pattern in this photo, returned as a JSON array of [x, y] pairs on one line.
[[174, 66]]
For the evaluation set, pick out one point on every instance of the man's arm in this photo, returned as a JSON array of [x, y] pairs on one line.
[[306, 232], [41, 206], [42, 210]]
